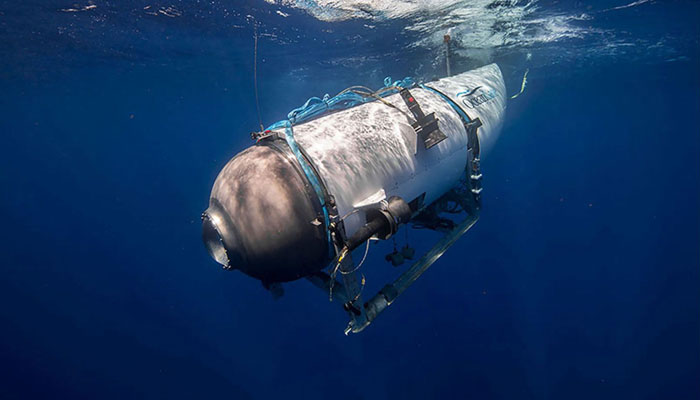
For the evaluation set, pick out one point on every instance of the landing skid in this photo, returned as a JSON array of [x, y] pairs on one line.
[[349, 290]]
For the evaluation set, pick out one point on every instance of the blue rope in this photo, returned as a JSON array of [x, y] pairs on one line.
[[315, 107]]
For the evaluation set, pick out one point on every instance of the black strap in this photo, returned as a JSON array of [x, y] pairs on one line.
[[426, 126], [412, 104]]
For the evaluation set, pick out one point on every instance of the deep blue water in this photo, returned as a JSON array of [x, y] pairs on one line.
[[580, 280]]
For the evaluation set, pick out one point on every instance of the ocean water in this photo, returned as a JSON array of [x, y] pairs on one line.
[[581, 279]]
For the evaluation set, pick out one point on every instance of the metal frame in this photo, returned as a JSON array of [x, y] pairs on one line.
[[349, 291]]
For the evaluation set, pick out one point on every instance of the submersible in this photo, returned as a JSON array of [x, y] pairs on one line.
[[344, 170]]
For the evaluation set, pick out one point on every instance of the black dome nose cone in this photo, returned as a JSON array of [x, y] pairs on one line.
[[265, 216]]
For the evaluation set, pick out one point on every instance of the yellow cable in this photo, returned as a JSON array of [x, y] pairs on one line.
[[522, 87]]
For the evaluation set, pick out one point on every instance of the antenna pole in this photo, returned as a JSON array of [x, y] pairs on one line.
[[447, 54], [255, 74]]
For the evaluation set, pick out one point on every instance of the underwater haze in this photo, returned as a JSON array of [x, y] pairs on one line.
[[581, 279]]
